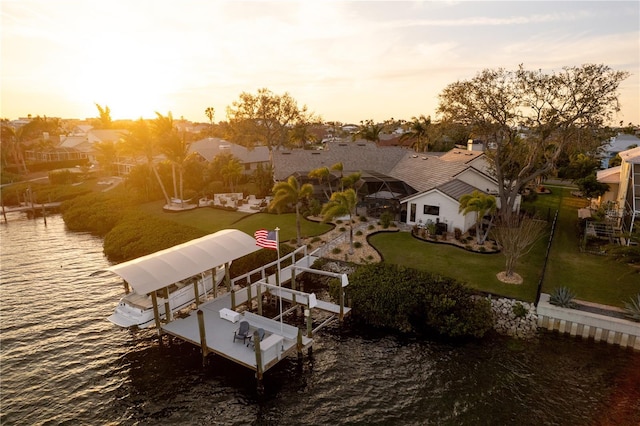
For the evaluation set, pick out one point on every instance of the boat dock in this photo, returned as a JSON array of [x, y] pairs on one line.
[[213, 324]]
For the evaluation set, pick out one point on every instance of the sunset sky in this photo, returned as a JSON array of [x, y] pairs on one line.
[[345, 60]]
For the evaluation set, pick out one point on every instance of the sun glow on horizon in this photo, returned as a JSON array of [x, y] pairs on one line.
[[347, 61]]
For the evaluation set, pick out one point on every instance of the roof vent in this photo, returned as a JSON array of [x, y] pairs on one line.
[[414, 156]]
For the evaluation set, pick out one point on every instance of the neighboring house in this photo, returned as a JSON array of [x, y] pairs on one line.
[[209, 148], [417, 187], [622, 201], [616, 145], [82, 139]]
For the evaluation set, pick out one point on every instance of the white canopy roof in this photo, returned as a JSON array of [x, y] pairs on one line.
[[158, 270]]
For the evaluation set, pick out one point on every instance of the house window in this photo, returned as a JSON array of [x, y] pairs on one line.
[[432, 210], [412, 217]]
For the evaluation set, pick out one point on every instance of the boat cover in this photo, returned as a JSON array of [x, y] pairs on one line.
[[158, 270]]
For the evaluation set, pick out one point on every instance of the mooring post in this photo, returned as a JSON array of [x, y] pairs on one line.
[[44, 214], [195, 293], [156, 313], [203, 336], [256, 347], [214, 282], [227, 276], [167, 309], [249, 300], [299, 344], [259, 297], [307, 314]]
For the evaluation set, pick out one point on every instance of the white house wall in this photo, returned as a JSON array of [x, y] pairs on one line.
[[448, 211], [479, 181]]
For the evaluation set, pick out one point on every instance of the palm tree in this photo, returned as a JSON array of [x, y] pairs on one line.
[[231, 171], [339, 167], [419, 132], [175, 148], [370, 131], [140, 142], [107, 155], [340, 204], [322, 174], [209, 112], [482, 204], [290, 192]]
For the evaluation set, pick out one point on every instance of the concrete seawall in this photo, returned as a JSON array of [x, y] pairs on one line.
[[615, 331]]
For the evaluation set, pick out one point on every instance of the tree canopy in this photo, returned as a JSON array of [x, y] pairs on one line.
[[265, 119], [530, 118]]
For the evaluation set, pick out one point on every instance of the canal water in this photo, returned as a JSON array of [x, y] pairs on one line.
[[62, 362]]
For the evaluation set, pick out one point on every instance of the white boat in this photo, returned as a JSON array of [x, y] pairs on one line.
[[136, 310]]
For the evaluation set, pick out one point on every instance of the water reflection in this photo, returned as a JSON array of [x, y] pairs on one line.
[[63, 362]]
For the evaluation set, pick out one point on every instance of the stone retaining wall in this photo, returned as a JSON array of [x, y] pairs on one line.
[[506, 321]]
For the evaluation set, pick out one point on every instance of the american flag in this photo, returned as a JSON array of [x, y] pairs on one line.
[[266, 239]]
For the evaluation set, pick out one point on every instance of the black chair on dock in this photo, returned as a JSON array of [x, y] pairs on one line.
[[260, 337], [242, 332]]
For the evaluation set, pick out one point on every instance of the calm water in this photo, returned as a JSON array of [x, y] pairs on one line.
[[64, 363]]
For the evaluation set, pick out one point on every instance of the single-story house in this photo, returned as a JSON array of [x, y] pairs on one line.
[[414, 186]]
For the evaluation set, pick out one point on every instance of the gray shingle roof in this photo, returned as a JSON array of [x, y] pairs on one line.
[[456, 189], [209, 148], [355, 156]]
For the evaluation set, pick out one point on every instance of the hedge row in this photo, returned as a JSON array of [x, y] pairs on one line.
[[408, 300]]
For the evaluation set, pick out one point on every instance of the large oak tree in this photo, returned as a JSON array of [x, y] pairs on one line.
[[265, 119], [530, 118]]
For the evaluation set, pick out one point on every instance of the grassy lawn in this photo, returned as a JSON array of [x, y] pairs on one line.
[[211, 220], [477, 270], [593, 278]]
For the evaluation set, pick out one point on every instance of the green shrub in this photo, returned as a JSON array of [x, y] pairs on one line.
[[363, 218], [563, 297], [358, 233], [408, 300], [457, 233], [315, 239], [96, 213], [385, 219], [342, 229], [357, 244], [338, 222], [138, 234], [336, 250], [519, 310], [632, 308], [62, 177], [371, 227]]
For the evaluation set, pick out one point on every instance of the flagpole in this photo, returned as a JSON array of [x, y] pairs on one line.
[[279, 279]]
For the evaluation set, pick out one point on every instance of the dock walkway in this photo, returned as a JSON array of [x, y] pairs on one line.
[[219, 335]]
